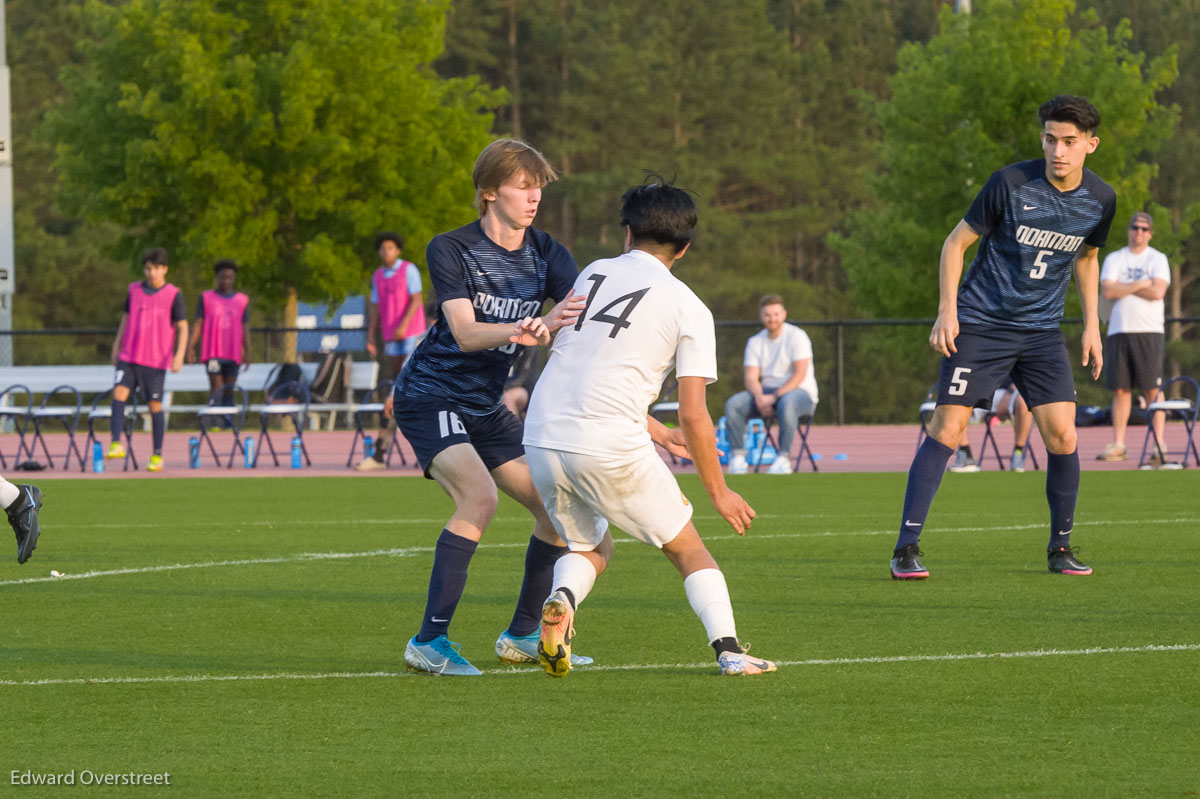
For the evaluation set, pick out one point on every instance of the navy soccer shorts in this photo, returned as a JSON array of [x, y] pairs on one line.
[[432, 424], [1037, 360], [222, 367], [147, 380]]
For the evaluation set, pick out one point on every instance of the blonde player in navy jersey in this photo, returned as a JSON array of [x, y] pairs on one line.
[[488, 276], [588, 437], [1039, 220]]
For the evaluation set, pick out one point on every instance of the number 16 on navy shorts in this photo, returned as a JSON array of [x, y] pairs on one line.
[[1037, 360], [431, 424]]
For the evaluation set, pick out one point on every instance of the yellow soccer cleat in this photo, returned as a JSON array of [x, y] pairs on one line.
[[115, 450], [554, 644], [155, 464]]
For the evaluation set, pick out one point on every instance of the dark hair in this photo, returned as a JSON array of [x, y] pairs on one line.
[[394, 238], [223, 264], [1069, 108], [659, 212], [155, 255]]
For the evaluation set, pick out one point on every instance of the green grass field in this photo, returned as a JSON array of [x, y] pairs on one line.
[[246, 636]]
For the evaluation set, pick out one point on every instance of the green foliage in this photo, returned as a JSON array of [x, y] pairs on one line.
[[281, 133]]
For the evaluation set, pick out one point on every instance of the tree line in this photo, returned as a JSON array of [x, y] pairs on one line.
[[830, 145]]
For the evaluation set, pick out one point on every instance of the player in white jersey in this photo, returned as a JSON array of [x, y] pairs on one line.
[[588, 439]]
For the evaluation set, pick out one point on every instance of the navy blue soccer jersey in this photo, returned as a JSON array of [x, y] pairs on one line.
[[1032, 233], [503, 286]]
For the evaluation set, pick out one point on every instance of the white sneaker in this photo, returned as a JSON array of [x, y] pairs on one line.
[[781, 465], [370, 465], [737, 664], [737, 464]]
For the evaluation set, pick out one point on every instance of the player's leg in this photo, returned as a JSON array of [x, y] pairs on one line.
[[1146, 370], [966, 379], [1043, 376], [737, 414], [21, 504], [124, 379], [574, 572], [151, 382], [708, 594]]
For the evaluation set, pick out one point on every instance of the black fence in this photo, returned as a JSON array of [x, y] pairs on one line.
[[868, 370]]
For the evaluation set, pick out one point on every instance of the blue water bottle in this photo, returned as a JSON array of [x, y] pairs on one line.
[[248, 451], [194, 452], [368, 447], [722, 441], [97, 458], [296, 452]]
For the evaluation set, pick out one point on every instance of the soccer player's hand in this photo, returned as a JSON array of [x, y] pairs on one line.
[[676, 444], [177, 362], [372, 350], [387, 406], [530, 332], [735, 510], [945, 330], [1093, 348], [566, 312]]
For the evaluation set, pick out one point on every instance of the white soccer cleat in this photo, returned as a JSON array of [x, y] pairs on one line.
[[781, 465], [735, 664]]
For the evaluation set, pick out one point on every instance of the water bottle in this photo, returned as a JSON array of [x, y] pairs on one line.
[[296, 452], [194, 452], [97, 458], [248, 451], [368, 447]]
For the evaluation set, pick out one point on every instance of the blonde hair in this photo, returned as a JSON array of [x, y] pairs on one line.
[[504, 158]]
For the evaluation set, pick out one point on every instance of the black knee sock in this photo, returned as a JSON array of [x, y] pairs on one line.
[[924, 477], [451, 557], [1062, 491], [117, 422], [158, 429], [536, 585]]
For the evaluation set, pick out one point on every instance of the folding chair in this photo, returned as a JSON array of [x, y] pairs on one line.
[[20, 416], [102, 409], [371, 405], [1184, 409], [925, 413], [802, 430], [297, 412], [988, 436], [218, 415], [68, 415]]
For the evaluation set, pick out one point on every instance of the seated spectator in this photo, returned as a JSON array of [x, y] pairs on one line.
[[779, 382]]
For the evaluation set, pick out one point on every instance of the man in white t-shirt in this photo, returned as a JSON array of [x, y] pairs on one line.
[[588, 439], [779, 382], [1135, 279]]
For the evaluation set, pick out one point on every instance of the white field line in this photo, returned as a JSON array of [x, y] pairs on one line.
[[511, 671], [410, 551]]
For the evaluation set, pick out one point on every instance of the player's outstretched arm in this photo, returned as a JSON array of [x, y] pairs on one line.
[[1087, 278], [701, 443], [945, 327]]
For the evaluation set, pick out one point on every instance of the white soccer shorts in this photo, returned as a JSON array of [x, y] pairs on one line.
[[583, 493]]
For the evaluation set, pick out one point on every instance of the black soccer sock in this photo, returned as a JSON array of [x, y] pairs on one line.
[[540, 558], [117, 422], [451, 557], [1062, 491], [726, 645], [924, 477], [158, 430]]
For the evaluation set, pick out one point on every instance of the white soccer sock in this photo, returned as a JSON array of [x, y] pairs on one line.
[[709, 597], [8, 493], [575, 573]]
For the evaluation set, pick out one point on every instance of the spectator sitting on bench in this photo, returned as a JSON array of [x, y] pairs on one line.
[[779, 381]]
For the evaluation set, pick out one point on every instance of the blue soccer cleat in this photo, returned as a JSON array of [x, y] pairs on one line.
[[517, 650], [439, 657]]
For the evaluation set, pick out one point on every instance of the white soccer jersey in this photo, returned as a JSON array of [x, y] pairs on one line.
[[606, 369]]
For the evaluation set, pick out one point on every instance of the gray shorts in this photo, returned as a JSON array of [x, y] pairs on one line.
[[1134, 360]]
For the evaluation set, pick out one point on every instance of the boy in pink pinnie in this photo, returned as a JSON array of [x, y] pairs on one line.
[[222, 332], [150, 341]]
